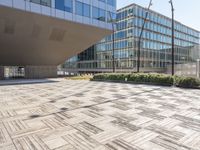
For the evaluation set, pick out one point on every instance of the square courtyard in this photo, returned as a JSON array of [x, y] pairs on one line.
[[87, 115]]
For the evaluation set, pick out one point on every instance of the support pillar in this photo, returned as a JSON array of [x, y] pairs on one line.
[[198, 68], [1, 72], [40, 72]]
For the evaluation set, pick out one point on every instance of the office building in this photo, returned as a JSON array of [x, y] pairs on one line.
[[155, 44], [38, 35]]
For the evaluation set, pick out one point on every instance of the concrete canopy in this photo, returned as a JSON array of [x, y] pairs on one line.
[[31, 39]]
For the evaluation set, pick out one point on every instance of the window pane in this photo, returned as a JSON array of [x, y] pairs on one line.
[[35, 1], [79, 8], [95, 13], [46, 2], [102, 15], [111, 2], [69, 6], [60, 4], [82, 9], [98, 14], [111, 16], [42, 2], [86, 10], [103, 1]]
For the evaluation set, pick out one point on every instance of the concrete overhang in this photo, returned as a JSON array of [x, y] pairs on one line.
[[32, 39]]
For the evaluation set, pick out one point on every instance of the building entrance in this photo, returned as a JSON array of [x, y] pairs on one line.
[[14, 72]]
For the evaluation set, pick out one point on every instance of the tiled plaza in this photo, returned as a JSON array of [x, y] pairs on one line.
[[85, 115]]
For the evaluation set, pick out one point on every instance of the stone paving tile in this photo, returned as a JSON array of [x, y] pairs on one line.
[[84, 115]]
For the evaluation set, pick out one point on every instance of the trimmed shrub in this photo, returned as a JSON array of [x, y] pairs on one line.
[[111, 76], [150, 78], [158, 79], [186, 82]]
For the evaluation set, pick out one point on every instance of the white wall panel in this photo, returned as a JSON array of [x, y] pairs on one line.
[[35, 8], [78, 18], [68, 16], [6, 2], [27, 6], [19, 4], [95, 22], [60, 14], [46, 10], [53, 12], [86, 20]]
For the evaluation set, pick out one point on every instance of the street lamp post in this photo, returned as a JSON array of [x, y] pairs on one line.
[[140, 37], [172, 8], [113, 41]]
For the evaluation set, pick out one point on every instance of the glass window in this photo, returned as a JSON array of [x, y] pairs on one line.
[[98, 14], [102, 15], [59, 4], [69, 6], [35, 1], [79, 8], [46, 2], [42, 2], [111, 16], [111, 2], [86, 10], [65, 5], [82, 9], [95, 13], [102, 1]]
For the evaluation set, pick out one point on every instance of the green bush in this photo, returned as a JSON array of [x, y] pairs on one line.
[[110, 76], [150, 78], [186, 82], [159, 79]]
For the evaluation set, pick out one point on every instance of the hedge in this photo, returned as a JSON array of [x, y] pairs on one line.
[[186, 82], [149, 78]]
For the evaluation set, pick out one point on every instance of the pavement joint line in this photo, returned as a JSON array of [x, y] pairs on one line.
[[9, 135]]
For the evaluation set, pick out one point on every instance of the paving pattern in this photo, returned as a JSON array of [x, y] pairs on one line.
[[84, 115]]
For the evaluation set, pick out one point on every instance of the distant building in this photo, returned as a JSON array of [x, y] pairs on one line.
[[155, 45], [38, 35]]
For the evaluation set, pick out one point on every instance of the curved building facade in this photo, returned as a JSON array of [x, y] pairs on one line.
[[40, 34]]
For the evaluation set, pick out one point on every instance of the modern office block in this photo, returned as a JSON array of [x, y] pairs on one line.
[[47, 32], [155, 44]]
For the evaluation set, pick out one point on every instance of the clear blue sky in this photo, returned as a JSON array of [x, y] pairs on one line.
[[186, 11]]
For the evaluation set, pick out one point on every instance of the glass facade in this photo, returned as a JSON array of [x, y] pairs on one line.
[[155, 45], [82, 8], [99, 10]]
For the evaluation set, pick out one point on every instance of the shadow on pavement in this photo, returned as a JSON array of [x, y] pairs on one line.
[[25, 81]]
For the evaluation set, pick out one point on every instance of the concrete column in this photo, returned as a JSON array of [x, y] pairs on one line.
[[1, 72], [198, 68], [40, 72]]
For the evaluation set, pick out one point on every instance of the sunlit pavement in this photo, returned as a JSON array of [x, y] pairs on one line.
[[85, 115]]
